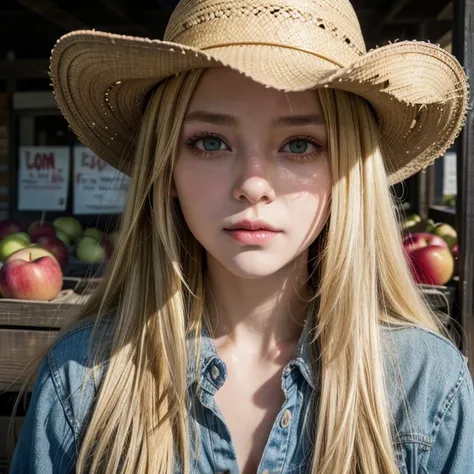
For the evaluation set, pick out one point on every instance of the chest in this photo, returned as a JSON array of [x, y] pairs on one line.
[[250, 401]]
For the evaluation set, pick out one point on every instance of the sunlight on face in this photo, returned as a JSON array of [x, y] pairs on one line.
[[253, 176]]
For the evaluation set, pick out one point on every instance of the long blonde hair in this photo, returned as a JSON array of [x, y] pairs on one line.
[[154, 286]]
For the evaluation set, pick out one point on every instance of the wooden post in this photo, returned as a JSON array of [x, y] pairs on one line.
[[463, 48]]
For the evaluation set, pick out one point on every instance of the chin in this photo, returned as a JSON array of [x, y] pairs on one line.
[[252, 266]]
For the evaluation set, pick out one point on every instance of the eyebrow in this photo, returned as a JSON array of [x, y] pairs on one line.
[[231, 121]]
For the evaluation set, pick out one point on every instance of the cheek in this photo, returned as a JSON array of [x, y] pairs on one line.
[[199, 188], [307, 194]]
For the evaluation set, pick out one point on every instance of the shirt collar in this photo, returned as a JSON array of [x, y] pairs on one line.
[[208, 355]]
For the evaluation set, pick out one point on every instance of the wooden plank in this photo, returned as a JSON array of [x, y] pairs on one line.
[[53, 13], [35, 314], [18, 349], [43, 314]]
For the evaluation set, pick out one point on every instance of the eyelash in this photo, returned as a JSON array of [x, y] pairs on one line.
[[191, 144]]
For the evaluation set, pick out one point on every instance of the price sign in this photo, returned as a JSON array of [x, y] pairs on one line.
[[43, 176], [98, 187]]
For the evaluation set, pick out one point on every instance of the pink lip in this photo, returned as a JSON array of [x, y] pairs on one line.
[[256, 224], [251, 232]]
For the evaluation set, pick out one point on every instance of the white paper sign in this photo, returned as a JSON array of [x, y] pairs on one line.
[[98, 187], [43, 178], [449, 173]]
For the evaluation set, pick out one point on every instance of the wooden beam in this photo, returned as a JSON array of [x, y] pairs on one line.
[[54, 14], [446, 41], [446, 13], [395, 8], [123, 10]]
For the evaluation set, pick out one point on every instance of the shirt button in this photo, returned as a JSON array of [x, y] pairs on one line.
[[285, 419], [215, 372]]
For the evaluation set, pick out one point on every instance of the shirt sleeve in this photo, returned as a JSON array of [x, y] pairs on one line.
[[453, 446], [47, 443]]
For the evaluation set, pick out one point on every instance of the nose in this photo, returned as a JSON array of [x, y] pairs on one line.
[[253, 183]]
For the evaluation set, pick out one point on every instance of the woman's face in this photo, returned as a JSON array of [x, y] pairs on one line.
[[252, 175]]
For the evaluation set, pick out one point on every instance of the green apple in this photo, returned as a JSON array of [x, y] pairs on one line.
[[11, 244], [93, 232], [90, 250], [430, 225], [411, 220], [113, 237], [22, 235], [63, 237], [69, 226], [448, 233]]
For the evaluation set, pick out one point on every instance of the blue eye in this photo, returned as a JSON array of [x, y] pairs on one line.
[[301, 146], [207, 145], [298, 147], [210, 144]]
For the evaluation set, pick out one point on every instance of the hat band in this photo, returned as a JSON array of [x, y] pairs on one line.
[[273, 45]]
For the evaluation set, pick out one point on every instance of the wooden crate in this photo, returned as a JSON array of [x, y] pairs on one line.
[[26, 327]]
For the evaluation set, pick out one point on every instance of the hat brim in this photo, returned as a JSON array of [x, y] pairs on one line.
[[418, 91]]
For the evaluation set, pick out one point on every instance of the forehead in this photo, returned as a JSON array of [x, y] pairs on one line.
[[225, 89]]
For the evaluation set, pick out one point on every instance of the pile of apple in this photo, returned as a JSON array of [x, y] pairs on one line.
[[431, 250], [33, 257]]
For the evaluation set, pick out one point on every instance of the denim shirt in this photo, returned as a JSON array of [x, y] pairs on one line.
[[436, 436]]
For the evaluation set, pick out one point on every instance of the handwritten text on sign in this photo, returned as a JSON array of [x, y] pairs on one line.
[[98, 187], [43, 176]]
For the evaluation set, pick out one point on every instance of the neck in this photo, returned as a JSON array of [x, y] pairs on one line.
[[263, 312]]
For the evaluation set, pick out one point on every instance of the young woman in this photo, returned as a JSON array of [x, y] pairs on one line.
[[258, 314]]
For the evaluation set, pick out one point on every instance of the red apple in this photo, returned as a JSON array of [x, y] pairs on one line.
[[422, 239], [431, 265], [28, 278], [9, 226], [37, 229], [29, 253], [55, 246]]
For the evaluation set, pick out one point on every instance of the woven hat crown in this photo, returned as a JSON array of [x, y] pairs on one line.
[[327, 28], [418, 91]]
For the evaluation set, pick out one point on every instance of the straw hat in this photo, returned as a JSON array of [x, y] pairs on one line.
[[418, 90]]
